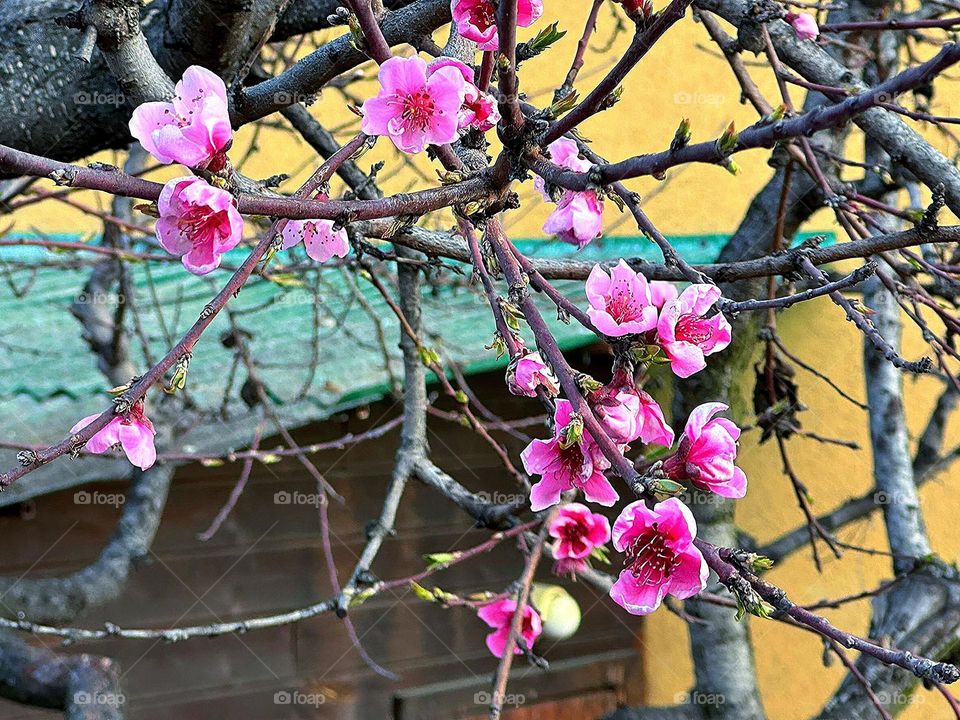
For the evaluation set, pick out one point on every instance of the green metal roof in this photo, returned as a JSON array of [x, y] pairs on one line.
[[49, 379]]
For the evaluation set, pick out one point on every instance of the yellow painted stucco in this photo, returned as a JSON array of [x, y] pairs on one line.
[[791, 674], [684, 77]]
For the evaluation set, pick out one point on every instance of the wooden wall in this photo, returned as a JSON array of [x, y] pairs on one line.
[[268, 557]]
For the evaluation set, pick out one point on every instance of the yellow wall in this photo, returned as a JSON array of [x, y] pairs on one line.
[[680, 78], [794, 681]]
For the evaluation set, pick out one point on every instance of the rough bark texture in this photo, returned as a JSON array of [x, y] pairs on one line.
[[86, 687], [892, 463], [64, 108], [905, 146]]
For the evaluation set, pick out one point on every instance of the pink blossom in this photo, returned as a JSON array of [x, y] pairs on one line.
[[193, 128], [499, 615], [620, 302], [578, 532], [412, 109], [198, 222], [134, 433], [479, 109], [686, 335], [578, 218], [319, 238], [707, 450], [476, 19], [527, 371], [579, 465], [660, 556], [628, 413], [565, 153], [804, 25], [662, 292]]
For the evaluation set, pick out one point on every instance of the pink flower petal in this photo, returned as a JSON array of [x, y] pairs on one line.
[[690, 576], [635, 597], [137, 443], [699, 298], [400, 75], [546, 492], [700, 416], [322, 243]]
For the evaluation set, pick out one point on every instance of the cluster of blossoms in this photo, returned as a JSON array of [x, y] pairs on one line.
[[578, 217], [624, 303], [420, 104], [197, 220], [656, 322]]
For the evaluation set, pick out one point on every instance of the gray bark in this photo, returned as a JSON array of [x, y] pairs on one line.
[[86, 687], [905, 146], [62, 107], [892, 464]]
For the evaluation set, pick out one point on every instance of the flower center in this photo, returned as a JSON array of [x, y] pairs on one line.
[[571, 459], [418, 108], [199, 224], [178, 119], [623, 307], [483, 16], [650, 559], [574, 534], [693, 329]]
